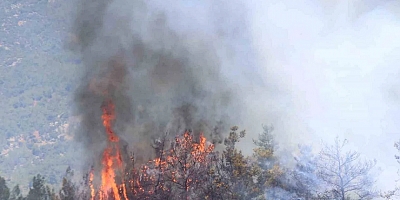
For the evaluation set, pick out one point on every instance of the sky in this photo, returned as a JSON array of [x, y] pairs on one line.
[[329, 68]]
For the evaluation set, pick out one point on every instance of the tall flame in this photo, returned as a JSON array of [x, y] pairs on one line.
[[111, 160], [92, 193]]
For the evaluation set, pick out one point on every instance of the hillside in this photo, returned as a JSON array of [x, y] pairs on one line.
[[37, 77]]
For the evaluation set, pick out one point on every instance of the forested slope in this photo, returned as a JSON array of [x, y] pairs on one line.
[[37, 77]]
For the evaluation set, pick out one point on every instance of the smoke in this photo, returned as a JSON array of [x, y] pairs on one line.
[[162, 64], [314, 69], [330, 68]]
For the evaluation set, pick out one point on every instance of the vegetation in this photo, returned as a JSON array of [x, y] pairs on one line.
[[190, 168], [344, 173], [37, 78], [394, 193]]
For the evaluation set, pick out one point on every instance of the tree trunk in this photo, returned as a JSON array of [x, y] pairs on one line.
[[342, 193]]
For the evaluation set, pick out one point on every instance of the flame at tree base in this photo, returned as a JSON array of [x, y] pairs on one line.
[[180, 166], [112, 163]]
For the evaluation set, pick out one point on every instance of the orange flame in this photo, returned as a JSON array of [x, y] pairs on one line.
[[111, 155], [91, 176], [111, 159], [145, 180], [108, 118]]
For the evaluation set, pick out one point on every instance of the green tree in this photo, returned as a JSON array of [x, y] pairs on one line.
[[51, 194], [38, 190], [16, 193], [306, 183], [238, 170], [4, 190], [68, 188], [272, 177]]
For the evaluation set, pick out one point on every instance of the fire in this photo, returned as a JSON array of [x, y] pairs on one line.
[[111, 160], [108, 118], [172, 168], [92, 193], [111, 156]]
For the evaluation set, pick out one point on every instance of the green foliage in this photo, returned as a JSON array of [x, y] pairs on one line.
[[238, 170], [41, 191], [266, 160], [68, 188], [51, 194], [235, 158], [37, 78], [38, 189], [306, 183], [4, 190], [272, 175], [266, 142], [16, 193]]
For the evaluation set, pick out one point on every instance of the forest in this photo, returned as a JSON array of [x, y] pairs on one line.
[[189, 167]]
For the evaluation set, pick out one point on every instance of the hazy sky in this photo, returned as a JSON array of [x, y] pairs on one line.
[[330, 68]]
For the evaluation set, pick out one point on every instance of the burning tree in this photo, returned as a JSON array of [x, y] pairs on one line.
[[155, 83], [186, 167], [183, 168], [112, 163]]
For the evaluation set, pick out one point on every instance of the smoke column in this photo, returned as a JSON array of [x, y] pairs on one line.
[[163, 66], [314, 69]]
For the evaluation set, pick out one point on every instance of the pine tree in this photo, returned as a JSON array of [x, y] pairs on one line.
[[38, 189], [306, 182], [4, 190], [237, 169], [67, 191], [51, 194], [16, 193], [272, 177]]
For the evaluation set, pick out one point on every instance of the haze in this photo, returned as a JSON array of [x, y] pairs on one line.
[[330, 68], [313, 69]]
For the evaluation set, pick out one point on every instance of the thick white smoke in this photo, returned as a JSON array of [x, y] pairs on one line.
[[330, 68]]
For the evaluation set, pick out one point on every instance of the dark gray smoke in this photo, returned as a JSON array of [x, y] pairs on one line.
[[162, 68]]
